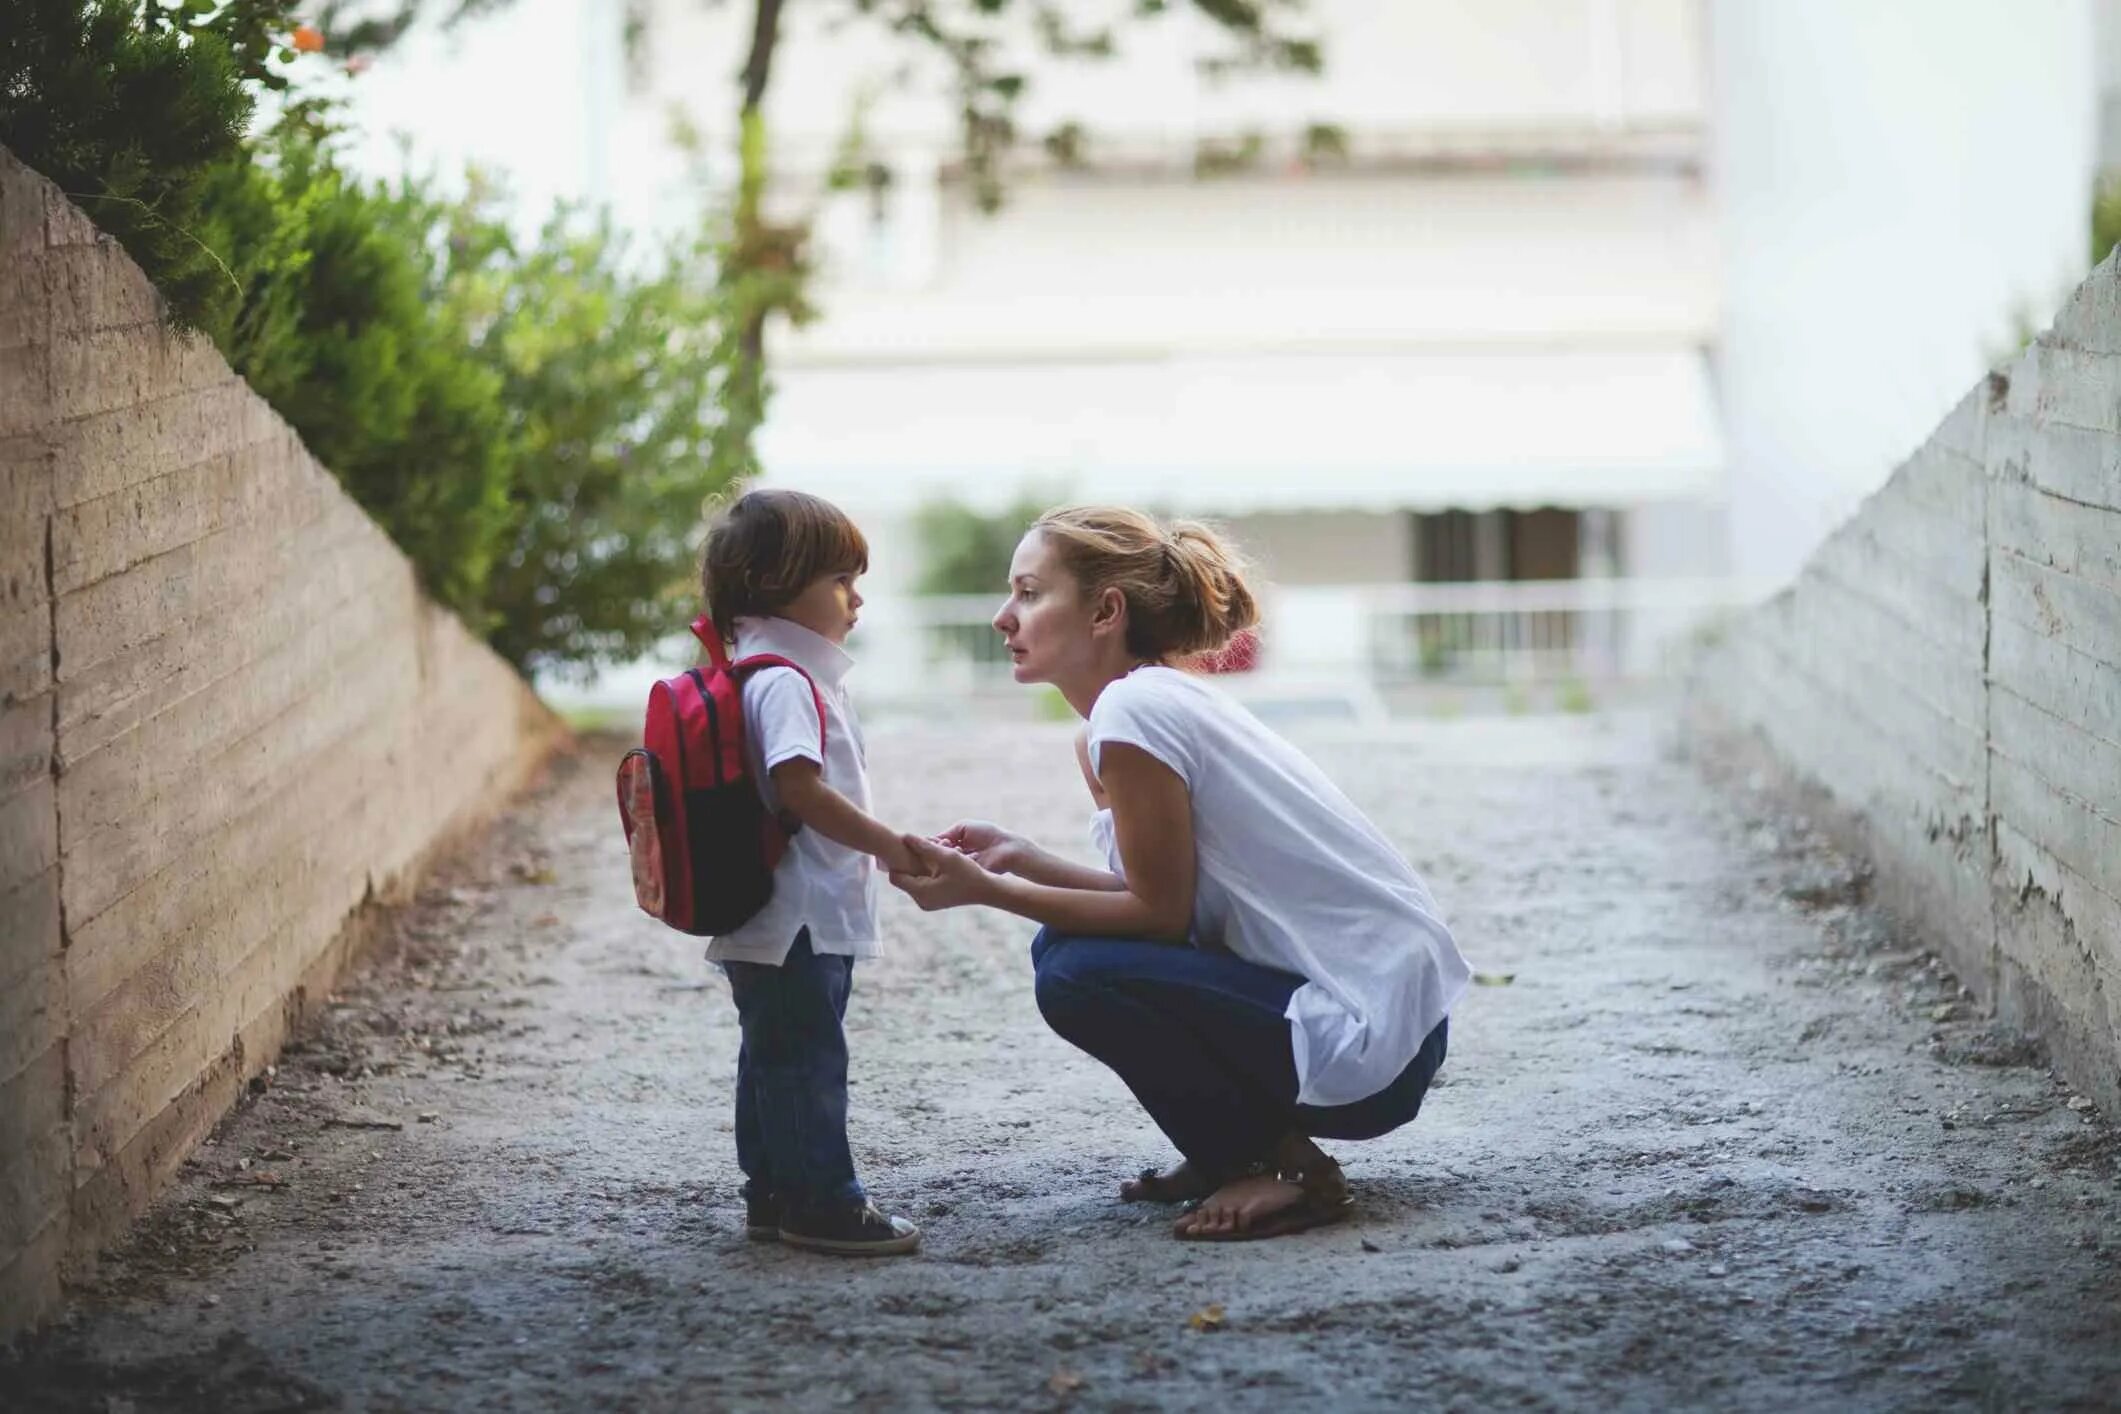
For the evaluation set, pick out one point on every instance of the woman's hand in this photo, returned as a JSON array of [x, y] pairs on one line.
[[952, 879], [899, 858], [996, 850]]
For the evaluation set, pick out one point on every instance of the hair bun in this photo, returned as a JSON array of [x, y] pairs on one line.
[[1184, 585]]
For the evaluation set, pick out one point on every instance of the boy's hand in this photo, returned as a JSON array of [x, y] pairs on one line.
[[900, 859], [950, 878], [995, 849]]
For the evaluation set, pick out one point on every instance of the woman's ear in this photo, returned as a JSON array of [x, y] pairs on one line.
[[1110, 612]]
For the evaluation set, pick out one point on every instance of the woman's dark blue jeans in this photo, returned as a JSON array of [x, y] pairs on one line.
[[791, 1077], [1202, 1040]]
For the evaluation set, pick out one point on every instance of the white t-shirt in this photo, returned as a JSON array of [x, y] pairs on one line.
[[1290, 875], [820, 885]]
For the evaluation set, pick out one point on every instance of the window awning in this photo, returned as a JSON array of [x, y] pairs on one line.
[[1232, 435]]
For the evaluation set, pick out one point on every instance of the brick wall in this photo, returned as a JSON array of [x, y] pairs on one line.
[[1947, 669], [228, 719]]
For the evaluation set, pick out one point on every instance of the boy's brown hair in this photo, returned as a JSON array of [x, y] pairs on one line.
[[767, 547]]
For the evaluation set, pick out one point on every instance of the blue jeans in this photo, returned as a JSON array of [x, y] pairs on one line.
[[791, 1077], [1202, 1040]]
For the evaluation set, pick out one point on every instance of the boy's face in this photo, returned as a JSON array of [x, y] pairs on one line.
[[827, 606]]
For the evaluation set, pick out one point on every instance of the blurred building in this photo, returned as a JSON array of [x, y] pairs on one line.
[[1443, 315], [1626, 295], [1903, 196]]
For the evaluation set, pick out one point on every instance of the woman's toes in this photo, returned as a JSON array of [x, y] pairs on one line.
[[1205, 1218]]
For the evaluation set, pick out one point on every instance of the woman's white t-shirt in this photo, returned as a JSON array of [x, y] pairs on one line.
[[1291, 875]]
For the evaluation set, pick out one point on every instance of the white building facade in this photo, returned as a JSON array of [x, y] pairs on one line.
[[1646, 291]]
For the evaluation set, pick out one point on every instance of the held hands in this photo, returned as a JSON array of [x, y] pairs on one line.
[[944, 877], [900, 859], [996, 850]]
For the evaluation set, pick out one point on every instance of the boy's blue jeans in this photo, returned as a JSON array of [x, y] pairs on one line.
[[791, 1077], [1202, 1040]]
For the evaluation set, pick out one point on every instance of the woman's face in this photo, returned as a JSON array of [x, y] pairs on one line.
[[1045, 621]]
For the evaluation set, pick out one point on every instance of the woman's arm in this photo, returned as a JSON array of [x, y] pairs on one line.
[[1152, 813], [1043, 866], [1001, 851], [1082, 759]]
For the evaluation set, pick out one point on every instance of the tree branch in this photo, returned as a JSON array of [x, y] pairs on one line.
[[765, 34]]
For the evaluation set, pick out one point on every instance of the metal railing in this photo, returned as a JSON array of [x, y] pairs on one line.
[[1488, 632], [1516, 631], [1370, 648]]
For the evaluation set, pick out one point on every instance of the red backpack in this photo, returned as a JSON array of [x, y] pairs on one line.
[[703, 843]]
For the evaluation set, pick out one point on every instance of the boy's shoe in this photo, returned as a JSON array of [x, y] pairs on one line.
[[858, 1231], [762, 1216]]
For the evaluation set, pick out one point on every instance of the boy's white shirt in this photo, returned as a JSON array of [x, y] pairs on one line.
[[820, 885]]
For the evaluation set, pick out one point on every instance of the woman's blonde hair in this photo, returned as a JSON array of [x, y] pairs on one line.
[[1184, 584]]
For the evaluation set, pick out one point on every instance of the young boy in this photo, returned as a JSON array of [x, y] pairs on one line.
[[779, 578]]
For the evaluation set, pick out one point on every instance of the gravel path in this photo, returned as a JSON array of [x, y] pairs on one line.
[[1712, 1135]]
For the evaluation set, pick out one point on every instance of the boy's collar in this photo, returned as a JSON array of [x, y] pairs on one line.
[[814, 653]]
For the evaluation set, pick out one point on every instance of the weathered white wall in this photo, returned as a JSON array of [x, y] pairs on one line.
[[1947, 668], [228, 719]]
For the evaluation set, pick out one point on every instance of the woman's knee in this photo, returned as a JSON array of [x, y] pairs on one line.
[[1060, 960], [1063, 997], [1042, 943]]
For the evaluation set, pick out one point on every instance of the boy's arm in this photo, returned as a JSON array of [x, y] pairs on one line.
[[804, 794]]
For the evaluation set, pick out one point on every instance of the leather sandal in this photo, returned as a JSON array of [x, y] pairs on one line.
[[1324, 1199], [1183, 1184]]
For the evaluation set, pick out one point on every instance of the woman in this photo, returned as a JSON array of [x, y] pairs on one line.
[[1258, 963]]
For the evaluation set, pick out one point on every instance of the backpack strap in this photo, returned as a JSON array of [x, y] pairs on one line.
[[744, 667], [717, 653], [703, 630]]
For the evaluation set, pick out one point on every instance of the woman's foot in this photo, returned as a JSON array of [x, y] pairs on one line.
[[1301, 1188], [1240, 1206], [1180, 1183]]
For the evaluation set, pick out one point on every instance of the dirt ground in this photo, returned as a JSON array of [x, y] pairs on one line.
[[1713, 1134]]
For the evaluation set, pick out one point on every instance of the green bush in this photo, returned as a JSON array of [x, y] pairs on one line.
[[132, 110], [2106, 216], [347, 329], [965, 552], [613, 384], [538, 427], [534, 423]]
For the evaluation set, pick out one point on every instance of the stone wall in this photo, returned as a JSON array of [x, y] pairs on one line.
[[1947, 670], [228, 721]]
